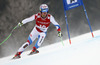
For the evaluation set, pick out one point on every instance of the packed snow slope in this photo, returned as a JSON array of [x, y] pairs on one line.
[[84, 50]]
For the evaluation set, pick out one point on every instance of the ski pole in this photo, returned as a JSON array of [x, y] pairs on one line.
[[61, 41], [9, 35]]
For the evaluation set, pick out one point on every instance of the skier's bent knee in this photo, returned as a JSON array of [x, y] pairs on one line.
[[25, 46]]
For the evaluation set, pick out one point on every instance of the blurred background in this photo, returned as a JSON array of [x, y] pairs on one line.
[[14, 11]]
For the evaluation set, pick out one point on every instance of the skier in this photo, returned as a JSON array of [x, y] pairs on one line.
[[43, 20]]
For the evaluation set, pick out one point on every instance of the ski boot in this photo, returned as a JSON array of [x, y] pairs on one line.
[[17, 55], [34, 51]]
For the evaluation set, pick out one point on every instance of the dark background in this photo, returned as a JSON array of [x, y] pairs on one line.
[[14, 11]]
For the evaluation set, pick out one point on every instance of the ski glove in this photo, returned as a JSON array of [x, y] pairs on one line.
[[59, 34], [20, 24]]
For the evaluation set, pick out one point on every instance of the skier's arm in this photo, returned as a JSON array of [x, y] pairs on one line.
[[53, 21], [57, 26], [28, 19]]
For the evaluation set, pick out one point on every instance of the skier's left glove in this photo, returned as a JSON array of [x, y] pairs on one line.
[[19, 24], [60, 34]]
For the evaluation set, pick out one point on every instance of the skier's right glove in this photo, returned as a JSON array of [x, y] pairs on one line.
[[19, 24], [59, 34]]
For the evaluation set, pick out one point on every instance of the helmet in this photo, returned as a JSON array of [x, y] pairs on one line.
[[44, 8]]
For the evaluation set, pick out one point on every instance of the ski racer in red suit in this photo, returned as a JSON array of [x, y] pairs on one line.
[[43, 20]]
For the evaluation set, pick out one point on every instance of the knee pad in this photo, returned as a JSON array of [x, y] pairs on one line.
[[25, 45]]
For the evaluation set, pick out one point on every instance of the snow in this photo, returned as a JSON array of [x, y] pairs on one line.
[[84, 50]]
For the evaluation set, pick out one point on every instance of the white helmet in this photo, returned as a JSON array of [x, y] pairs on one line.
[[44, 8]]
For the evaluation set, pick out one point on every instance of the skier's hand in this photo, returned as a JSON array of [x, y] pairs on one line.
[[59, 34], [20, 24]]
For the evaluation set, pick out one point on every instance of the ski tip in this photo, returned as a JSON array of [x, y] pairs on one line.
[[14, 58]]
